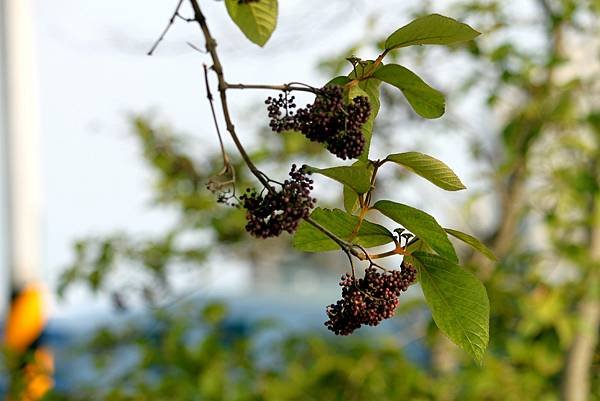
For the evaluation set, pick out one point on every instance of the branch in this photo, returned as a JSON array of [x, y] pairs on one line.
[[211, 48], [164, 33]]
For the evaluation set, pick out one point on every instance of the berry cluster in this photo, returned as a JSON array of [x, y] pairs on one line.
[[277, 211], [369, 300], [328, 120]]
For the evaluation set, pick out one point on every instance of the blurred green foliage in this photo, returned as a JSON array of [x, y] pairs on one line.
[[194, 354]]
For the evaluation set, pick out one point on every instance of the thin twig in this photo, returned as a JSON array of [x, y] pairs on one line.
[[164, 33], [181, 17], [209, 96], [193, 46], [214, 184]]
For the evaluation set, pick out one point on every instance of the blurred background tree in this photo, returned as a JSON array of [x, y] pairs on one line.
[[530, 117]]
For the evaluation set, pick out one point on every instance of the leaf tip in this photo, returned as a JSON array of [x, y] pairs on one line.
[[478, 358]]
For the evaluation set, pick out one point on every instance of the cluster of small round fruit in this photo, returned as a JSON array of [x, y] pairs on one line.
[[368, 300], [281, 210], [328, 120]]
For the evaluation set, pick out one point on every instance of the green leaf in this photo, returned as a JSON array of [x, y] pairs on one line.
[[418, 245], [310, 239], [339, 80], [458, 302], [426, 101], [355, 91], [421, 224], [351, 203], [429, 168], [257, 19], [432, 29], [369, 87], [473, 242], [350, 200], [356, 177]]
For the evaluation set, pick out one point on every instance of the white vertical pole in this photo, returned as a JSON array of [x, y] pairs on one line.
[[3, 172], [20, 118]]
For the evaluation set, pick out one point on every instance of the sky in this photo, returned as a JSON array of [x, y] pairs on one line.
[[93, 74]]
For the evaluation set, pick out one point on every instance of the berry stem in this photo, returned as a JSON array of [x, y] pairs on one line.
[[363, 212], [285, 87], [398, 250], [378, 61], [370, 72]]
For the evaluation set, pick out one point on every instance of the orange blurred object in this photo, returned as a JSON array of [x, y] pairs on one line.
[[24, 326], [38, 374], [26, 319]]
